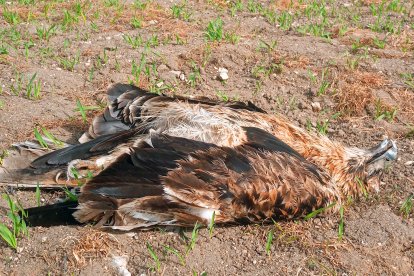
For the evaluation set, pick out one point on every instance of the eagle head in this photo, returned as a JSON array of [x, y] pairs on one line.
[[367, 165]]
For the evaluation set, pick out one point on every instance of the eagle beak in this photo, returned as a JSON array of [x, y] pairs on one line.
[[391, 154], [386, 150]]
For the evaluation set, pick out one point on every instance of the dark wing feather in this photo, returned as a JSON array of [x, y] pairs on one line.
[[97, 146], [116, 90], [260, 139], [136, 176], [51, 215], [131, 174], [106, 124]]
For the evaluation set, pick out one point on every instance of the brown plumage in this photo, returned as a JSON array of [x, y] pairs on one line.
[[176, 181], [162, 160]]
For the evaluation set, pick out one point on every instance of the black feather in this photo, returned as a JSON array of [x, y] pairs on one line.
[[94, 147], [125, 179], [118, 89], [52, 215], [139, 172], [106, 124], [261, 139]]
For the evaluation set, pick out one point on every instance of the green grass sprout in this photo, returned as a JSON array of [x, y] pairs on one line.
[[154, 256]]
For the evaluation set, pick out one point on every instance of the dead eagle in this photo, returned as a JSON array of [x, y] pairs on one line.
[[159, 160]]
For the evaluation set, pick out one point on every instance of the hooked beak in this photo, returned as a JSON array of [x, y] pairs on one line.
[[387, 151]]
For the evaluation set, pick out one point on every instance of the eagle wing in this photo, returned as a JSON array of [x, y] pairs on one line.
[[177, 181], [131, 107]]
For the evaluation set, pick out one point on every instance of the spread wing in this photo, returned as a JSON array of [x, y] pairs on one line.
[[51, 169], [177, 181], [132, 107]]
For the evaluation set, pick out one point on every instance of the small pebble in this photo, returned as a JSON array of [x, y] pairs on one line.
[[316, 106], [223, 74], [302, 121], [177, 73], [341, 133], [409, 163], [120, 262], [162, 67]]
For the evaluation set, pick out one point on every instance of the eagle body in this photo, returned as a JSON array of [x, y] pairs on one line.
[[159, 160]]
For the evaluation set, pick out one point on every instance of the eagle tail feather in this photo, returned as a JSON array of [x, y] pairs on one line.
[[51, 215]]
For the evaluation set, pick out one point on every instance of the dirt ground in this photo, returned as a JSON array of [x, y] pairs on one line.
[[344, 69]]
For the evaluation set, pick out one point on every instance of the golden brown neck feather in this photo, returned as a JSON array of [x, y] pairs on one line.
[[327, 154]]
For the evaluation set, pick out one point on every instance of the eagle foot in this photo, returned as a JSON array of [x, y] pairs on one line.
[[79, 169]]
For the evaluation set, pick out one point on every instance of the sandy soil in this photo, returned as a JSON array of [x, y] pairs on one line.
[[346, 57]]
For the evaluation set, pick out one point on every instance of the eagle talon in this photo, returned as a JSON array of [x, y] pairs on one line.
[[59, 174], [78, 169]]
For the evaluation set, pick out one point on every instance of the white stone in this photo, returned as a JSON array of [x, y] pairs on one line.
[[177, 73], [316, 106], [120, 263], [223, 74]]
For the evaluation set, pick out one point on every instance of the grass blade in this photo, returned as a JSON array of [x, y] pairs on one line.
[[37, 194], [362, 187], [40, 139], [341, 223], [81, 110], [176, 253], [318, 211], [211, 225], [154, 256], [407, 206], [8, 236], [49, 135], [194, 236], [69, 195], [269, 241], [19, 225]]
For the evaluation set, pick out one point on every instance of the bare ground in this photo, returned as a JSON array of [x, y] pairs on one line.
[[283, 66]]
